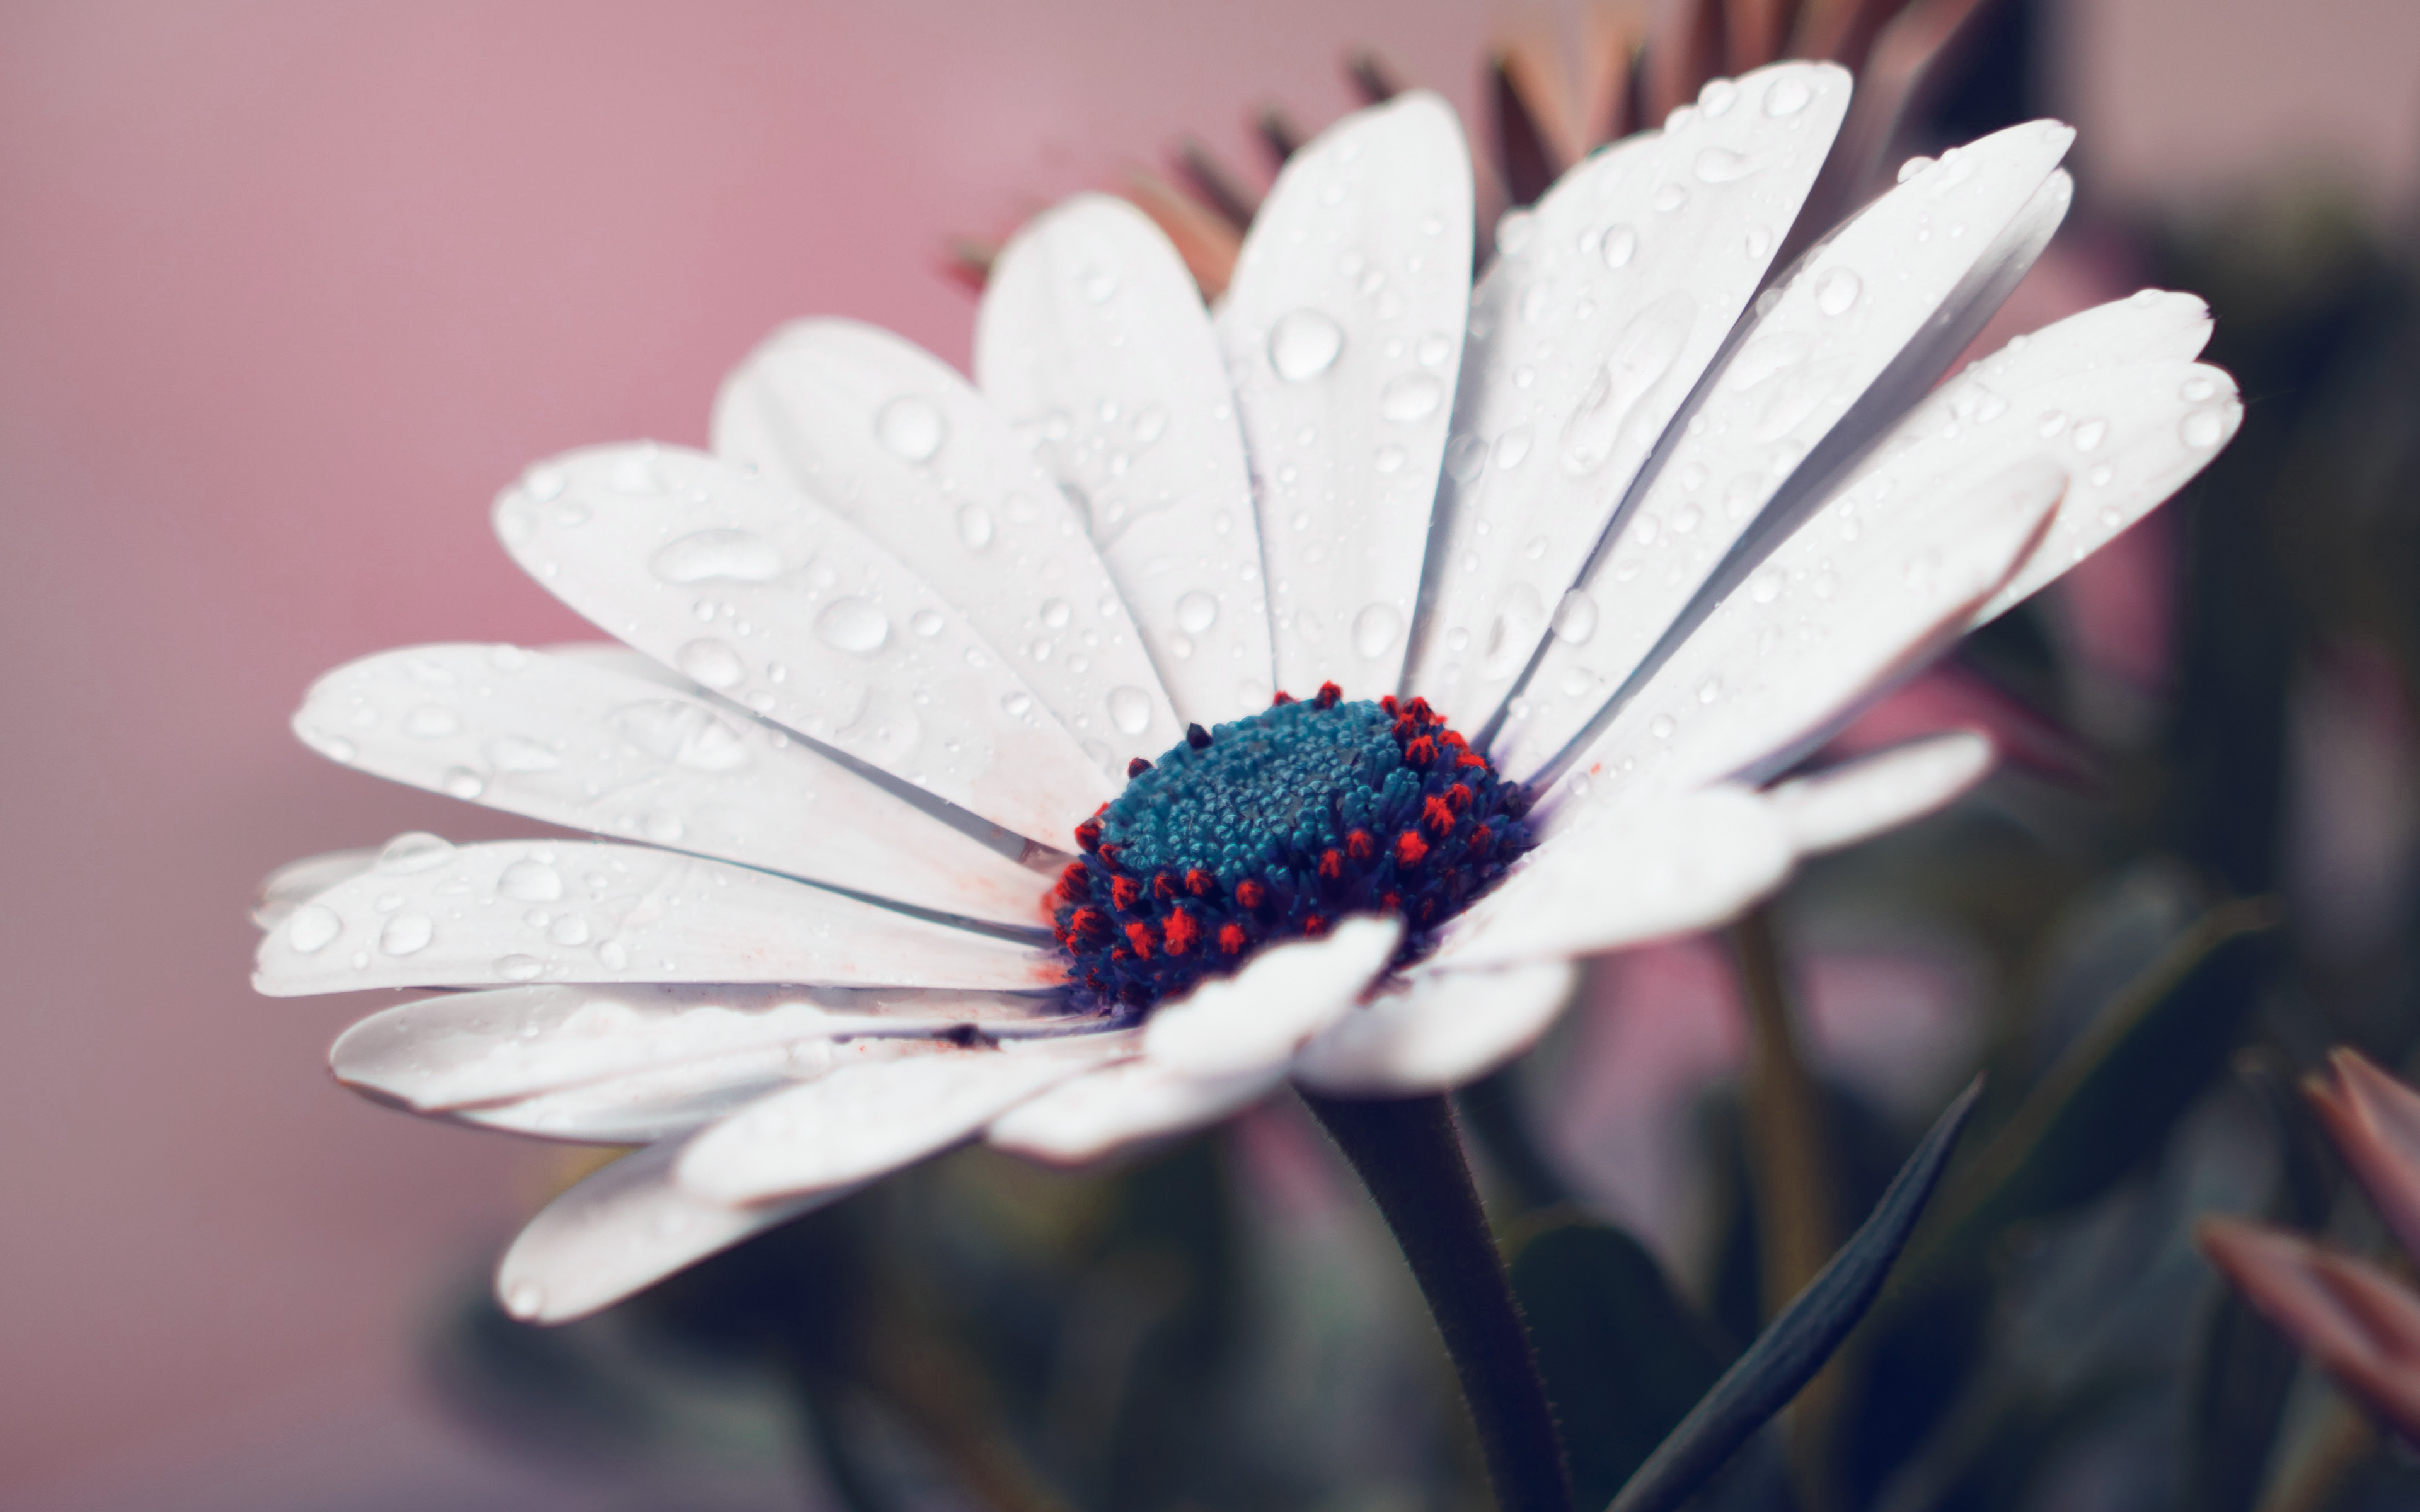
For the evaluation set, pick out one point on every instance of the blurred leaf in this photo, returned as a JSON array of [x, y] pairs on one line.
[[2111, 1098], [1787, 1355], [1624, 1356]]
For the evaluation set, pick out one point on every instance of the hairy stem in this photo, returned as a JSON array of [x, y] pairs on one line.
[[1409, 1156]]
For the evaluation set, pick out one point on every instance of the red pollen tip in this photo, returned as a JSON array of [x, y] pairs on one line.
[[1163, 886], [1457, 798], [1391, 901], [1479, 839], [1111, 853], [1071, 883], [1088, 834], [1421, 752], [1250, 894], [1472, 758], [1089, 925], [1394, 710], [1199, 883], [1184, 931], [1136, 767], [1314, 925], [1419, 709], [1232, 939], [1196, 736], [1282, 698], [1453, 738], [1124, 891], [1329, 696], [1331, 866], [1359, 846], [1436, 815], [1410, 850], [1138, 935]]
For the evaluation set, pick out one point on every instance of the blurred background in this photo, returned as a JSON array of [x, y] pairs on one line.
[[288, 289]]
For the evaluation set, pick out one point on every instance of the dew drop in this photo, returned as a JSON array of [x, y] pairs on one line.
[[1709, 690], [2203, 429], [432, 721], [530, 881], [1661, 727], [1196, 611], [1304, 344], [1787, 96], [313, 927], [571, 929], [1670, 197], [1413, 397], [2091, 434], [544, 484], [414, 852], [974, 526], [701, 556], [1576, 617], [1620, 245], [524, 1300], [2196, 389], [405, 933], [462, 782], [1374, 630], [519, 967], [1055, 612], [1389, 459], [709, 663], [1721, 166], [1513, 448], [1434, 349], [1466, 456], [1096, 285], [910, 428], [1130, 709], [925, 621], [1017, 705], [1717, 97], [1838, 290], [854, 625], [1638, 360]]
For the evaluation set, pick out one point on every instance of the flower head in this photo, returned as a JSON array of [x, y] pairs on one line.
[[1205, 698]]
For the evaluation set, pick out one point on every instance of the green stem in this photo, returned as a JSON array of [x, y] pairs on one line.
[[1408, 1155]]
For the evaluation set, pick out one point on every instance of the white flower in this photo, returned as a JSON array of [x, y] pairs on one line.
[[1648, 533]]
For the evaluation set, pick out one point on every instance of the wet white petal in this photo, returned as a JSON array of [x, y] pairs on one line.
[[1125, 1105], [1258, 1016], [1866, 322], [882, 432], [1845, 804], [587, 746], [1437, 1029], [523, 911], [1094, 344], [621, 1230], [464, 1049], [1342, 331], [1619, 876], [1825, 624], [297, 882], [767, 598], [864, 1121], [1588, 330]]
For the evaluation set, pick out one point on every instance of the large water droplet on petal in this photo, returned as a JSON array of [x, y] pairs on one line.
[[1787, 96], [741, 556], [1576, 617], [854, 625], [313, 927], [1836, 290], [530, 881], [684, 734], [416, 851], [1374, 630], [709, 663], [1413, 397], [1721, 166], [1196, 611], [1641, 357], [2205, 428], [1620, 245], [1304, 344], [1130, 709], [974, 526], [405, 933], [910, 428]]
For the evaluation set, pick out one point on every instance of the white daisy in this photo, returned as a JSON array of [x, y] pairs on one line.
[[905, 650]]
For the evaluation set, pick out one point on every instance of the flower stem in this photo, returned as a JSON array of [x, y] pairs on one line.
[[1408, 1155]]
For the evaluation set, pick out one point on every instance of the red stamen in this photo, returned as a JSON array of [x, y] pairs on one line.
[[1089, 925], [1088, 834], [1199, 883], [1251, 893], [1420, 752], [1183, 930], [1472, 758], [1196, 736], [1282, 698], [1436, 815], [1457, 798], [1072, 886], [1124, 891], [1331, 865], [1138, 935], [1389, 704], [1314, 924], [1136, 767], [1359, 846], [1410, 850], [1329, 696], [1479, 839], [1232, 939]]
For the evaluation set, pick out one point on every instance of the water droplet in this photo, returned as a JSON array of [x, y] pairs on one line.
[[462, 782], [2196, 389], [1055, 612], [416, 851], [1913, 167], [1764, 587], [1514, 634], [854, 625], [1709, 690], [1670, 197], [1638, 360], [519, 967], [974, 526], [2052, 422], [1130, 709], [910, 428], [524, 1300], [1721, 166], [313, 927], [740, 555], [683, 734], [1017, 705], [1760, 241], [1197, 611], [1836, 290], [1304, 344], [2091, 434], [432, 721], [544, 484], [1096, 285], [1413, 397], [530, 881], [1620, 245], [1433, 349], [1787, 96], [1374, 630], [571, 929], [1389, 459], [1576, 617], [2205, 428], [613, 955], [406, 932], [1661, 727], [709, 663], [664, 827], [1513, 448], [1466, 456], [634, 475], [1717, 97]]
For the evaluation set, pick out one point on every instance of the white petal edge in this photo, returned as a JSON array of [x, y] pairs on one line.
[[298, 882], [777, 603], [621, 1230], [887, 435], [1671, 865], [1604, 305], [1841, 806], [865, 1122], [1262, 1014], [1120, 1106], [1342, 331], [1093, 342], [588, 748], [1437, 1029], [516, 912]]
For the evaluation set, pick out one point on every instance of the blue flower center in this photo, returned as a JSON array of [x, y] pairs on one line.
[[1273, 827]]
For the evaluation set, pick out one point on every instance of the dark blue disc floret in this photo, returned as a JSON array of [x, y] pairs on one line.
[[1273, 827]]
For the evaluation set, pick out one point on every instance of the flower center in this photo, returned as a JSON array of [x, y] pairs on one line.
[[1273, 828]]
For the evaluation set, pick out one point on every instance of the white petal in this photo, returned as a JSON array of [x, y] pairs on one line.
[[1343, 332], [1825, 622], [1437, 1029], [465, 1049], [586, 747], [1600, 310], [297, 882], [1262, 1014], [1622, 876], [779, 603], [1094, 342], [1866, 322], [887, 435], [1128, 1104], [621, 1231], [867, 1121], [1859, 799], [524, 911]]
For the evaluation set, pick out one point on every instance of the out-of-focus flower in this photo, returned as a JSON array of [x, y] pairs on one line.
[[1653, 524], [2359, 1323]]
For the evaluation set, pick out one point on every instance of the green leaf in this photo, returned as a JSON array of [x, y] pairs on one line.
[[1789, 1352]]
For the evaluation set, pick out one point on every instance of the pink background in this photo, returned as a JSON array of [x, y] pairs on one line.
[[288, 290]]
